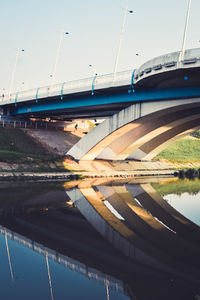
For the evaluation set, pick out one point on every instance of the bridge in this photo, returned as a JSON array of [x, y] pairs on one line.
[[146, 109]]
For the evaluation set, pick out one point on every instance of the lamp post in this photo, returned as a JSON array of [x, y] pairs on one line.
[[22, 86], [93, 69], [139, 59], [62, 33], [182, 52], [3, 92], [13, 71], [94, 79], [126, 11]]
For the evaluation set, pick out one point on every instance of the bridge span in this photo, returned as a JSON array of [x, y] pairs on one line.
[[164, 77], [146, 109]]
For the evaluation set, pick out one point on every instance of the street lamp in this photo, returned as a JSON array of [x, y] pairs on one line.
[[62, 33], [93, 80], [138, 59], [93, 69], [13, 71], [3, 92], [126, 11], [181, 56]]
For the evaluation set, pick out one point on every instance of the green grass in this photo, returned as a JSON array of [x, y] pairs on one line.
[[182, 151], [42, 169], [16, 146], [10, 156], [178, 187], [16, 140]]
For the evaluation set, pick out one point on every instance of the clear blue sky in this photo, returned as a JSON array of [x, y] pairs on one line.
[[156, 27]]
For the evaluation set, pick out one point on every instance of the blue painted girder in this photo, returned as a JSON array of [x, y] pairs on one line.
[[87, 101]]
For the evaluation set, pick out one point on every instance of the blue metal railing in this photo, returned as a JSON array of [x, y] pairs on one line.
[[87, 84]]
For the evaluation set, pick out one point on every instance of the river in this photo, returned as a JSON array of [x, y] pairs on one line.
[[98, 239]]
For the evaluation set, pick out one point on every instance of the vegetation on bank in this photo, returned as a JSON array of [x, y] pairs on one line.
[[25, 153], [196, 134], [182, 151], [15, 144], [177, 186]]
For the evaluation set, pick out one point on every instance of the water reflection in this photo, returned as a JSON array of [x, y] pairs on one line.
[[122, 234]]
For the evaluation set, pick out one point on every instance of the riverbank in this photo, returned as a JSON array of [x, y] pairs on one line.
[[71, 169]]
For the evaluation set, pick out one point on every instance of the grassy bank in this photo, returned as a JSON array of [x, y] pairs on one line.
[[25, 154], [182, 151], [15, 145]]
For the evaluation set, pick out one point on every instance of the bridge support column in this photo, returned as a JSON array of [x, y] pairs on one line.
[[138, 130]]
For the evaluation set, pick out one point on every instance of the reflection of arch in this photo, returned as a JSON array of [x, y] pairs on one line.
[[135, 232], [90, 204], [145, 224], [159, 208], [139, 131]]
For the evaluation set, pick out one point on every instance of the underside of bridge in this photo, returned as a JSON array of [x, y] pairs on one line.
[[140, 131]]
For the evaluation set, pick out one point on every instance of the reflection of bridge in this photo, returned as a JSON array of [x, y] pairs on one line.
[[65, 261], [141, 224], [148, 236], [147, 108]]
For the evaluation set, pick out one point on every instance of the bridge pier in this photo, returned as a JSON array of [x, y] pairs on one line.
[[139, 131]]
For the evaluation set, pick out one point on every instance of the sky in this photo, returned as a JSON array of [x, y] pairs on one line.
[[156, 27]]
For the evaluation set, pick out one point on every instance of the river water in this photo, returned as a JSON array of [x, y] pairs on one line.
[[100, 239]]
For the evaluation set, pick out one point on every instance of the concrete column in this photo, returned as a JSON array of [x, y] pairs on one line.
[[96, 144]]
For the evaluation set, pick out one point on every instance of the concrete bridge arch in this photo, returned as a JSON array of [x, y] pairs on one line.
[[140, 131]]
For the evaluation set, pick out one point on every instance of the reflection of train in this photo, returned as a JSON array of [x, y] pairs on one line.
[[148, 235]]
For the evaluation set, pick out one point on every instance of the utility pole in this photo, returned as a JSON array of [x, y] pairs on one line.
[[182, 52], [62, 33], [13, 71], [120, 40]]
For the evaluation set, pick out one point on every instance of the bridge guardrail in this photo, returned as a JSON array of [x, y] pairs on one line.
[[153, 66], [86, 84], [65, 261]]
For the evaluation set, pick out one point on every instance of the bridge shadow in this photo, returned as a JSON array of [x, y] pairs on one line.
[[121, 233]]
